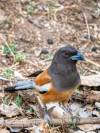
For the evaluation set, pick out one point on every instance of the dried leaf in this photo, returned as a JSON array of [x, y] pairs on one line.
[[89, 127], [91, 80], [9, 110], [56, 111]]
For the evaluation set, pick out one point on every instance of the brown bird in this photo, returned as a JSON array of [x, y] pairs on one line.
[[59, 81]]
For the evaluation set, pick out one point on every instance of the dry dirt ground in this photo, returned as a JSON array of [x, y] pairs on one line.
[[42, 26]]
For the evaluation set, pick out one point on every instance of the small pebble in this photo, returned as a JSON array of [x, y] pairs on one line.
[[97, 105], [44, 51], [50, 41], [91, 37], [94, 49]]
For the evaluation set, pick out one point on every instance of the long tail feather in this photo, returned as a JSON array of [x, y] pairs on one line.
[[20, 85], [25, 85]]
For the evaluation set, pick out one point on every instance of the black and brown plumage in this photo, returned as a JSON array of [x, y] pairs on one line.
[[58, 82]]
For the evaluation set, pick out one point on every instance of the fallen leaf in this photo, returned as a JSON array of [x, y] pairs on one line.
[[56, 111], [9, 110], [91, 80]]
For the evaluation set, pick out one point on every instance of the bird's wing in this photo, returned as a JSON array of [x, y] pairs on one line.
[[43, 78]]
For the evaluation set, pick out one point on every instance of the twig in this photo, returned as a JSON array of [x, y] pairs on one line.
[[92, 62], [85, 18], [87, 25], [24, 123]]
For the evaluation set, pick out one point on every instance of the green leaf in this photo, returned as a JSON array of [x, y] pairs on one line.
[[72, 125], [18, 101], [30, 110], [5, 100], [8, 49], [20, 57], [31, 8], [8, 73]]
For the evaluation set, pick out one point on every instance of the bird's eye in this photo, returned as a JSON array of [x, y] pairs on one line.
[[66, 53]]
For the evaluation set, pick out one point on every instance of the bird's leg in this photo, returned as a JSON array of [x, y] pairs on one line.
[[44, 107], [47, 117]]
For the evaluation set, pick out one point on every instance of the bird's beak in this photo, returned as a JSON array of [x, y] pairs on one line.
[[77, 57]]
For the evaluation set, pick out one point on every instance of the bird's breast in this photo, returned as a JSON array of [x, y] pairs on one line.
[[53, 95]]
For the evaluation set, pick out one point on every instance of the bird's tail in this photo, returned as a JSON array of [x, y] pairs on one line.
[[20, 85], [25, 85]]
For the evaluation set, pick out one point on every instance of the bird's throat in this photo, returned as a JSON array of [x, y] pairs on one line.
[[64, 77]]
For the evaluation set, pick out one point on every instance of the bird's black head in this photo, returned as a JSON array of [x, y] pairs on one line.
[[68, 54], [63, 68]]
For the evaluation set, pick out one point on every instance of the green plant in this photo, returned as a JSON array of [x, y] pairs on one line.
[[72, 125], [9, 48], [20, 57], [30, 110], [30, 8], [18, 101], [6, 100], [8, 73], [53, 7]]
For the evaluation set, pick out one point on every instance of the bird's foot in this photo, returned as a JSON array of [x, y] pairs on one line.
[[47, 118]]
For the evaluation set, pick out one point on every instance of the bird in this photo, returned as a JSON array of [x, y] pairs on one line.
[[58, 82]]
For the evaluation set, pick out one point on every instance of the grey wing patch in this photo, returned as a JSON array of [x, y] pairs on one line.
[[44, 88]]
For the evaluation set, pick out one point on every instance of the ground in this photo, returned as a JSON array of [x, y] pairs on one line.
[[37, 29]]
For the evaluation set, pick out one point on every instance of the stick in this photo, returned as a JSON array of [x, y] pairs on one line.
[[24, 123], [87, 25], [92, 62]]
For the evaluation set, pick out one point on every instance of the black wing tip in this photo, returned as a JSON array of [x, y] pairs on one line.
[[35, 73], [10, 89]]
